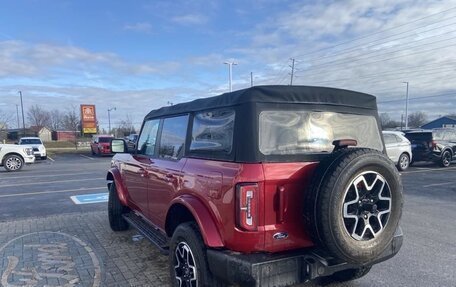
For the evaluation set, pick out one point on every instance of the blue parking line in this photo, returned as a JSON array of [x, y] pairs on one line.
[[90, 198]]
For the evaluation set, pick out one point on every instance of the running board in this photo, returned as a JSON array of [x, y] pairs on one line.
[[151, 233]]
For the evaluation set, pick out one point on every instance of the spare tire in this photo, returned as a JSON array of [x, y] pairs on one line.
[[354, 205]]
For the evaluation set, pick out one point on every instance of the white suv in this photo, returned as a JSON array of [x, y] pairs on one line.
[[38, 147], [13, 157], [398, 148]]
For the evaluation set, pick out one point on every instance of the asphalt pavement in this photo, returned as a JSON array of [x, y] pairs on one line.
[[36, 206]]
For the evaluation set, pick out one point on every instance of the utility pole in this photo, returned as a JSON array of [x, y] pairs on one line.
[[17, 116], [230, 67], [251, 79], [406, 105], [109, 118], [292, 71], [23, 118]]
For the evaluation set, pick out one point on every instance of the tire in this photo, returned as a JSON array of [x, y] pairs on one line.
[[115, 210], [354, 204], [187, 258], [13, 162], [44, 157], [350, 274], [91, 149], [403, 162], [445, 160]]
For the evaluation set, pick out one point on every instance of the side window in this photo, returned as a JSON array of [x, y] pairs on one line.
[[213, 131], [148, 137], [389, 138], [398, 139], [172, 139]]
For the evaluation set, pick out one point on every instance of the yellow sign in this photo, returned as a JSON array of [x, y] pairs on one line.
[[89, 130]]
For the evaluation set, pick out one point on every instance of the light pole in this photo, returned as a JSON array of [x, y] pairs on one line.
[[17, 116], [109, 118], [23, 118], [230, 67], [406, 105]]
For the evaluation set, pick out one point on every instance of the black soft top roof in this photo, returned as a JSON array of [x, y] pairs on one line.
[[274, 94]]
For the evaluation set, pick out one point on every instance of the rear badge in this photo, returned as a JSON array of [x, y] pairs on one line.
[[280, 235]]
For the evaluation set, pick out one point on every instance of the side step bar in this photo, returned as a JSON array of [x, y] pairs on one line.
[[151, 233]]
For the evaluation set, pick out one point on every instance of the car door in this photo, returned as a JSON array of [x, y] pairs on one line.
[[391, 146], [135, 169], [165, 172]]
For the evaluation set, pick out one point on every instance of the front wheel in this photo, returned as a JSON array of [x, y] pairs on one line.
[[13, 162], [187, 259], [446, 159], [115, 210], [404, 162]]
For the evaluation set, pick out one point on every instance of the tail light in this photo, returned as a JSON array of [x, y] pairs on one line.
[[247, 206], [432, 144]]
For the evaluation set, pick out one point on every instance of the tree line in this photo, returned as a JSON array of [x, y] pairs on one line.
[[415, 120]]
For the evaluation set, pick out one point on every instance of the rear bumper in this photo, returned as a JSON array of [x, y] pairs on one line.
[[283, 269]]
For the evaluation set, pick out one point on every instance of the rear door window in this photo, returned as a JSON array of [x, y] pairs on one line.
[[213, 131], [303, 132], [172, 141]]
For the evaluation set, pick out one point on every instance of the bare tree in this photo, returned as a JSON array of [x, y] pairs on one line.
[[125, 127], [386, 121], [70, 119], [56, 119], [39, 117], [5, 120], [417, 119]]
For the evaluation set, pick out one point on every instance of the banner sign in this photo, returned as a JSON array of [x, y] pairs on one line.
[[88, 119]]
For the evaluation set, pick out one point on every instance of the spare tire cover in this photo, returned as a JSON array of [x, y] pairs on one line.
[[354, 204]]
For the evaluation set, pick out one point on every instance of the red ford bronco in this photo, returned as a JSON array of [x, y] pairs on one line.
[[267, 186]]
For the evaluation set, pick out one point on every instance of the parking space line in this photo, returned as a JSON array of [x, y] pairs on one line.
[[429, 169], [84, 156], [56, 181], [52, 191], [47, 175], [50, 158], [439, 184]]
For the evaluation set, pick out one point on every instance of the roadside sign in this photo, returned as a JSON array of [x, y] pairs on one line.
[[90, 198]]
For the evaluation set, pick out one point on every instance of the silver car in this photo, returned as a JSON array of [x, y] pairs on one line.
[[398, 148]]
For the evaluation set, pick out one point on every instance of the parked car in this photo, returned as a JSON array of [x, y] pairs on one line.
[[267, 186], [438, 145], [13, 157], [100, 144], [39, 150], [398, 149]]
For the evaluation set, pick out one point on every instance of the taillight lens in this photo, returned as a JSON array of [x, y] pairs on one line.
[[432, 144], [247, 206]]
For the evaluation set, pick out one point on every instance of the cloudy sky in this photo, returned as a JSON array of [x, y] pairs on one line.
[[140, 55]]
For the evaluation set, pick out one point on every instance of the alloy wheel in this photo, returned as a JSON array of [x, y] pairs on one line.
[[185, 266], [367, 206], [13, 163]]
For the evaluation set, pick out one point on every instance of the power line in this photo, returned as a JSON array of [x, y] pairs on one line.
[[418, 98]]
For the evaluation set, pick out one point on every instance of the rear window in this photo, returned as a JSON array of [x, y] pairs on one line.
[[304, 132], [445, 135], [104, 140], [413, 137]]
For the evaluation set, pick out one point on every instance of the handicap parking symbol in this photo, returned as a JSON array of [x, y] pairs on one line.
[[90, 198]]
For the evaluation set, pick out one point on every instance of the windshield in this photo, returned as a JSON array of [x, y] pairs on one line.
[[104, 140], [30, 141], [302, 132]]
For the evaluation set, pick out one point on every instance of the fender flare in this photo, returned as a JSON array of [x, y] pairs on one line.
[[203, 217], [114, 176]]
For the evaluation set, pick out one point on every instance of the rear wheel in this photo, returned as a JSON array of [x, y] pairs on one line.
[[354, 205], [13, 162], [187, 259], [404, 162], [445, 161]]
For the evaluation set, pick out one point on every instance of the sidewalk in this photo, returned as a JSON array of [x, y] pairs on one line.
[[76, 249]]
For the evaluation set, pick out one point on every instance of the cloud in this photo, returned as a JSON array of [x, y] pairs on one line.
[[190, 19], [143, 27]]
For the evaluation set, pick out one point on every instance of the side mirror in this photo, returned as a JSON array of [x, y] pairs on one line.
[[118, 146]]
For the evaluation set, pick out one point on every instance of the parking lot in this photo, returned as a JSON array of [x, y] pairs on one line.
[[46, 238]]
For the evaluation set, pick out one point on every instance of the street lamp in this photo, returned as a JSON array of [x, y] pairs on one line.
[[109, 118], [23, 118], [406, 105], [230, 67]]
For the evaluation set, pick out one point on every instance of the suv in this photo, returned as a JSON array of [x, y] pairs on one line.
[[398, 149], [13, 157], [267, 186], [38, 147], [438, 145], [100, 144]]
